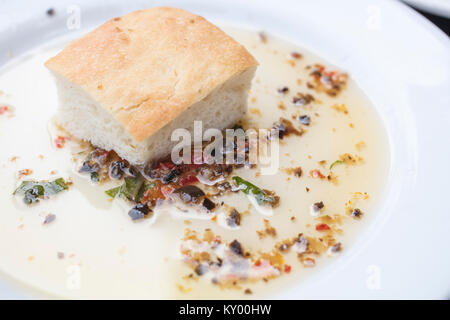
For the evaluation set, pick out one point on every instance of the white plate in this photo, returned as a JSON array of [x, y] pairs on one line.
[[437, 7], [399, 59]]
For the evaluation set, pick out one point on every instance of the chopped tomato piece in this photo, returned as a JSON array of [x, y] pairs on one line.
[[316, 174], [190, 179], [3, 109], [296, 55], [167, 165], [102, 153], [322, 227], [287, 268], [60, 141]]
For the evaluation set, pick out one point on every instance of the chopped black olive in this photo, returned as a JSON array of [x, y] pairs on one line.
[[208, 204], [236, 247], [218, 170], [201, 269], [120, 168], [50, 12], [224, 186], [283, 90], [32, 195], [95, 177], [171, 176], [306, 120], [212, 172], [357, 213], [139, 211], [319, 205], [281, 129], [190, 193], [228, 168], [285, 128], [302, 243], [316, 73], [131, 171], [336, 248], [116, 169], [49, 218], [302, 99], [234, 219], [87, 167]]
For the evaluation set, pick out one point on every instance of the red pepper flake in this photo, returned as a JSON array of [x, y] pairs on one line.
[[296, 55], [190, 179], [100, 153], [60, 141], [166, 166], [287, 268], [3, 109], [25, 172], [316, 174], [322, 227], [258, 263]]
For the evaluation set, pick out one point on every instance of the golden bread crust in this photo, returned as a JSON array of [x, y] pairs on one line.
[[149, 66]]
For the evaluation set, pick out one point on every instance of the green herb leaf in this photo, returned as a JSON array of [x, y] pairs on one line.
[[35, 190], [249, 188], [24, 186], [336, 163], [171, 176], [55, 186], [130, 189], [113, 192]]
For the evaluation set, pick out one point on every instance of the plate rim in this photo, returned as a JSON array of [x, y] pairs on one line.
[[400, 6]]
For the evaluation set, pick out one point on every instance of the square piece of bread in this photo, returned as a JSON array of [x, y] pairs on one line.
[[128, 84]]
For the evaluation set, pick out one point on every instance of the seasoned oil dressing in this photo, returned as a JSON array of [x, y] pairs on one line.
[[93, 250]]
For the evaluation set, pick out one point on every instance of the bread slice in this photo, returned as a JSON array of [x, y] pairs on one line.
[[128, 84]]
